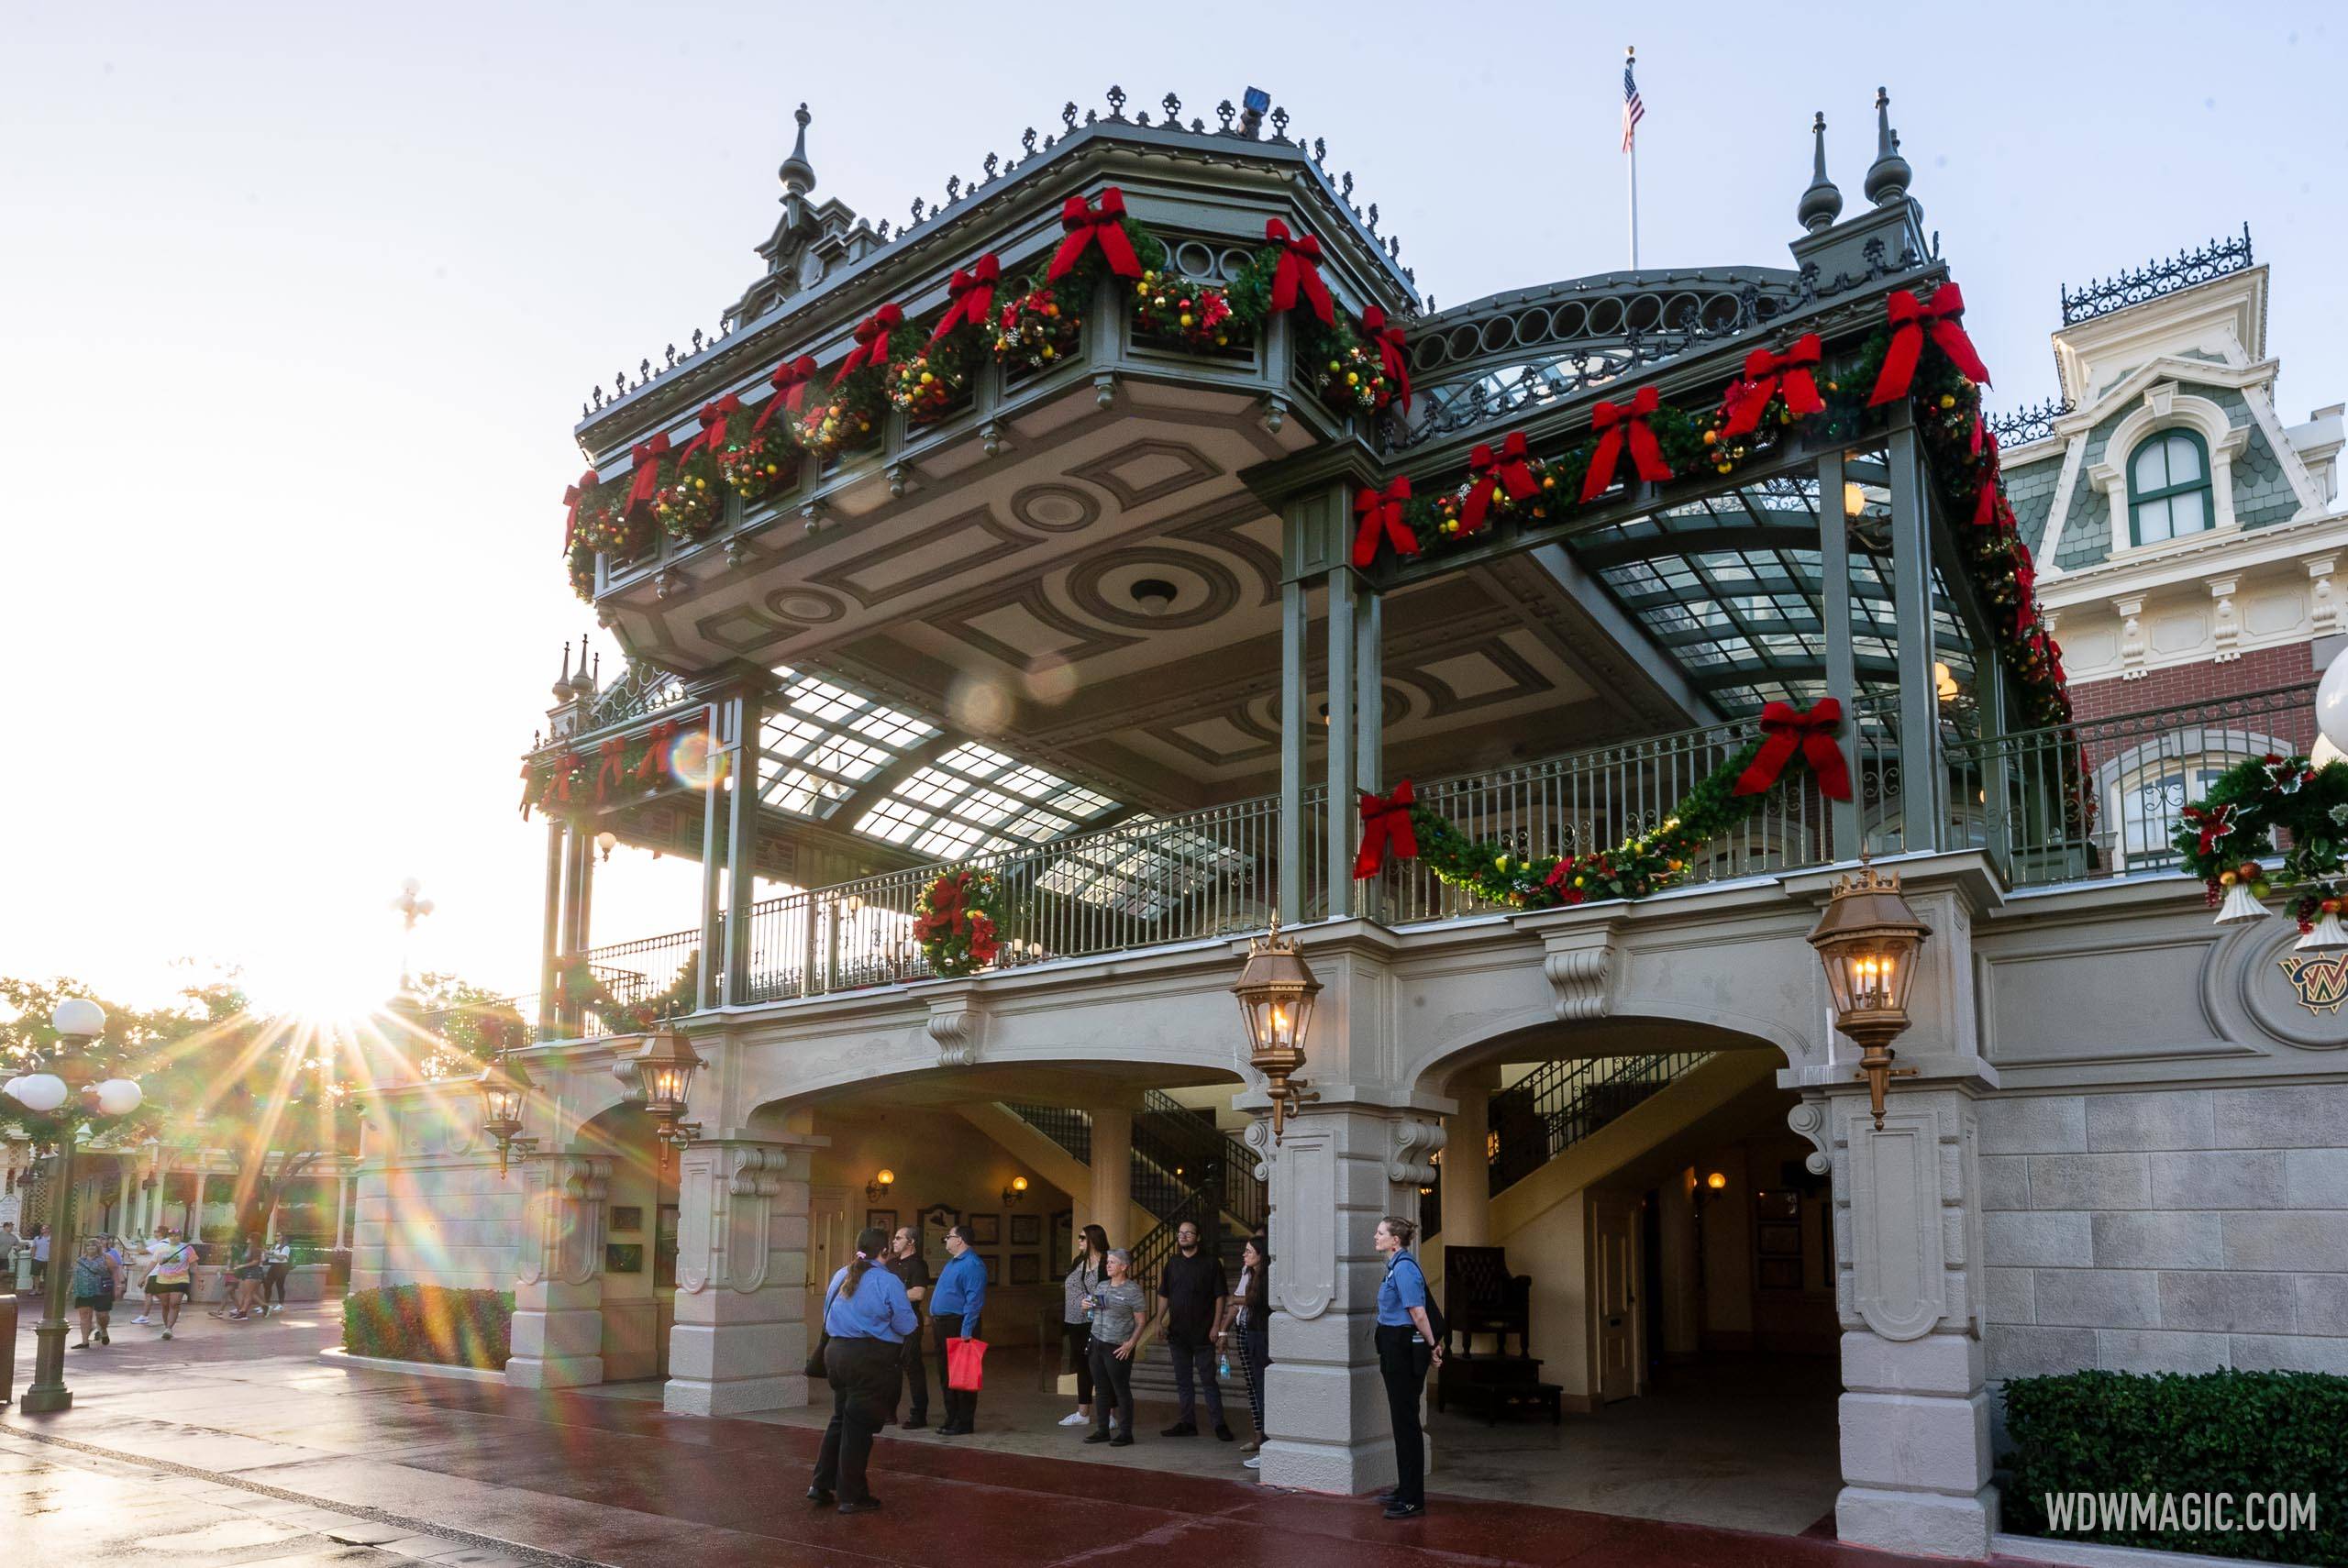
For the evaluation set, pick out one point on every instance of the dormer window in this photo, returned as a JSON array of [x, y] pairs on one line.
[[2168, 487]]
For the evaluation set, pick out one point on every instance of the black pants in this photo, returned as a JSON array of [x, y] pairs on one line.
[[961, 1407], [1402, 1364], [274, 1283], [863, 1376], [1193, 1365], [1080, 1350], [1255, 1359], [916, 1377], [1113, 1382]]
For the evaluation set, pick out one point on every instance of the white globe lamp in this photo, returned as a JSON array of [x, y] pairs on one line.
[[2332, 703], [79, 1018], [40, 1092], [118, 1096]]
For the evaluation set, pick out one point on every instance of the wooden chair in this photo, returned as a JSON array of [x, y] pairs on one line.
[[1480, 1297]]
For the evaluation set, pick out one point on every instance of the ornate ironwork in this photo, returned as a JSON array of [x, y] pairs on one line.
[[2103, 296], [642, 689], [2035, 422]]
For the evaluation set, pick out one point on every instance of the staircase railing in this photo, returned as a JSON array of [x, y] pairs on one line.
[[1560, 1103], [1152, 1251], [1071, 1129]]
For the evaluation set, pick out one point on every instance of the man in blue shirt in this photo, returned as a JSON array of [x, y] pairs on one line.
[[955, 1303], [866, 1319]]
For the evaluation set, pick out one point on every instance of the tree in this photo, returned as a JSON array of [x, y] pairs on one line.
[[464, 1025]]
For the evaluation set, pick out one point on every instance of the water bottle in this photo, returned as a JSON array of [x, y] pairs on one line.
[[1223, 1366]]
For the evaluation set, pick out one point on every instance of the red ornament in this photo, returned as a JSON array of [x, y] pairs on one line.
[[1910, 319], [1299, 273], [1621, 426], [1385, 824], [1382, 518], [973, 295], [1766, 374], [1508, 472], [1811, 733], [1104, 226], [654, 763]]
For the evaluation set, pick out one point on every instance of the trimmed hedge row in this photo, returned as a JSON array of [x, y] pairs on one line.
[[2234, 1433], [430, 1322]]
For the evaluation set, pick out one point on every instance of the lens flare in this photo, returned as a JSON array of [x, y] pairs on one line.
[[695, 763]]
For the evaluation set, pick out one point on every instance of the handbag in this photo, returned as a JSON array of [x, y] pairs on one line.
[[965, 1364]]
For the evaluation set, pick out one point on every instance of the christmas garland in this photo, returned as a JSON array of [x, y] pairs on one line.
[[2221, 837], [576, 983], [618, 766], [959, 922]]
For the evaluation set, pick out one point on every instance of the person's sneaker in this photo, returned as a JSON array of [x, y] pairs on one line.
[[167, 1334], [1121, 1441], [1405, 1510], [104, 1337], [821, 1496], [1076, 1418], [913, 1425], [1181, 1429], [1253, 1462], [1098, 1437], [79, 1344], [141, 1319], [1223, 1433], [860, 1506]]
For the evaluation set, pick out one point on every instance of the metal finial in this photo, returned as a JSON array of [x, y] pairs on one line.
[[1116, 97], [1821, 203], [1027, 141], [1888, 176], [1068, 113], [993, 162], [1173, 107], [798, 175], [953, 189]]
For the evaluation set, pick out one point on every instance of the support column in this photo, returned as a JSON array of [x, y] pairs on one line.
[[1339, 815], [196, 1215], [1336, 1173], [121, 1225], [1112, 1173], [1467, 1169], [550, 938], [741, 1337], [558, 1338], [341, 1207], [713, 919], [1844, 820], [741, 844], [1294, 679], [1912, 595]]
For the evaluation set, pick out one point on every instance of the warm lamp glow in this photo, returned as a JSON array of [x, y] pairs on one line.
[[1716, 1181], [1019, 1184], [1854, 500], [887, 1179]]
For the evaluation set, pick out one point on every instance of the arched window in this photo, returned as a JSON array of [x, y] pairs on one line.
[[2168, 486]]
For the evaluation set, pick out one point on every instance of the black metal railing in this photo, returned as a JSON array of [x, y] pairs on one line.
[[1560, 1103], [2035, 422], [1071, 1129], [1152, 1251], [2137, 285]]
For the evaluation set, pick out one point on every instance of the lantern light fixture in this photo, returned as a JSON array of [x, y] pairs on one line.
[[877, 1187], [1016, 1192], [664, 1072], [1717, 1181], [1276, 990], [1867, 939], [503, 1085]]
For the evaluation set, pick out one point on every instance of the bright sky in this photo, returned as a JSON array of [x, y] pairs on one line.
[[301, 302]]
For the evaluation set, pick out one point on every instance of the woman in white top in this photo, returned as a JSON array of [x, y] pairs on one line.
[[1076, 1323]]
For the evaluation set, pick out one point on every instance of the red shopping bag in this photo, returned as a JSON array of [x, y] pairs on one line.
[[965, 1364]]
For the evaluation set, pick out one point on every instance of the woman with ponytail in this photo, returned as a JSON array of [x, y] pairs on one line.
[[867, 1317]]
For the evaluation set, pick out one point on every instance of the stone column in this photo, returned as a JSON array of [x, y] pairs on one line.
[[195, 1214], [1113, 1174], [1915, 1412], [1467, 1169], [558, 1293], [741, 1337], [341, 1206], [122, 1199], [1336, 1172]]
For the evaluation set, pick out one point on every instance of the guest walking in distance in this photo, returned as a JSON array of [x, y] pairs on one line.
[[171, 1278], [1117, 1310], [865, 1322], [1406, 1349], [1076, 1322], [41, 1255], [277, 1263], [1192, 1284], [94, 1284], [955, 1304], [1248, 1314], [913, 1272]]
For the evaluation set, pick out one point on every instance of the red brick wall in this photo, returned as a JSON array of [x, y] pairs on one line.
[[2187, 686]]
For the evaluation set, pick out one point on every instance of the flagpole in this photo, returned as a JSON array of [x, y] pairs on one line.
[[1631, 159]]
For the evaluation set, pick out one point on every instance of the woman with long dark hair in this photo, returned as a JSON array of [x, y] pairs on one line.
[[1249, 1311], [1076, 1323], [866, 1318], [1406, 1349]]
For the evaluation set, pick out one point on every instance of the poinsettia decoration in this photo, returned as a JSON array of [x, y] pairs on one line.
[[1175, 310], [1034, 331], [959, 922]]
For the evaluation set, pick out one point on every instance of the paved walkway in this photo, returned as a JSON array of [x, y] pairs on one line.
[[234, 1445]]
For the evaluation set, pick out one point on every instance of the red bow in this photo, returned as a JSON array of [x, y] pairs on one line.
[[713, 426], [1300, 270], [1812, 734], [1766, 374], [871, 342], [2025, 579], [655, 760], [558, 786], [1615, 421], [1381, 516], [789, 383], [647, 478], [1389, 351], [1507, 471], [1386, 824], [613, 751], [1086, 226], [973, 295], [1910, 319], [573, 497]]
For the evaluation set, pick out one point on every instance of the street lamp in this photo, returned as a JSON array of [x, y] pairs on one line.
[[503, 1085], [664, 1071], [1868, 939], [1276, 990], [51, 1090]]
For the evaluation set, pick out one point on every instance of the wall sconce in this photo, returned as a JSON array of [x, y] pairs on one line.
[[504, 1085], [1717, 1181], [1276, 990], [663, 1072], [1017, 1191], [1868, 939], [877, 1187]]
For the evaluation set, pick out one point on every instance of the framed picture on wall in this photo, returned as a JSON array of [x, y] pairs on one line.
[[986, 1230], [994, 1267], [1027, 1230], [1026, 1268], [885, 1219], [623, 1257], [935, 1221], [628, 1220]]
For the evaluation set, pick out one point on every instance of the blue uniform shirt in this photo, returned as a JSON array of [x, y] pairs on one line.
[[1403, 1289], [962, 1288], [879, 1309]]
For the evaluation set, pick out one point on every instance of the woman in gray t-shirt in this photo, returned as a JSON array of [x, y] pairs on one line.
[[1120, 1313]]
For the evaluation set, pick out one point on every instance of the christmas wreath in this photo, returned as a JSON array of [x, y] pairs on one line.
[[2222, 836], [1194, 317], [959, 922]]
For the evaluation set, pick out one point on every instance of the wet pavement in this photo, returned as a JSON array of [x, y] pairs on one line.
[[232, 1444]]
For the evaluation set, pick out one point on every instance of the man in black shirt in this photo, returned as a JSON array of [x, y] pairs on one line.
[[1192, 1286], [913, 1271]]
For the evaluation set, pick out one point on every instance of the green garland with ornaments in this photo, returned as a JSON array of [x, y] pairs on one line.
[[2224, 836]]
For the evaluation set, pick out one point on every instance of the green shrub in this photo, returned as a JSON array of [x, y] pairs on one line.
[[430, 1322], [2237, 1432]]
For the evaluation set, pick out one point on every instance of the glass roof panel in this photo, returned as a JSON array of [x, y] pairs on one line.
[[974, 799]]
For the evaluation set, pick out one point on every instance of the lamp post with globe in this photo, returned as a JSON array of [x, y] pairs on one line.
[[50, 1089]]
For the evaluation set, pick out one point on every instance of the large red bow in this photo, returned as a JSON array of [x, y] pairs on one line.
[[1811, 733], [871, 342], [1381, 518], [713, 426], [789, 383], [973, 295], [558, 783], [1766, 374], [1386, 824], [1618, 424], [2025, 580], [573, 497], [1987, 502], [613, 752], [655, 760], [1299, 272], [1103, 224], [646, 481], [1390, 352], [1910, 319], [1507, 470]]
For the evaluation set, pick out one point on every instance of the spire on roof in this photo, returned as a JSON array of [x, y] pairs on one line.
[[1821, 203], [798, 175]]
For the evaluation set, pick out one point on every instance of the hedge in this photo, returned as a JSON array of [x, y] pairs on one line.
[[430, 1322], [2236, 1432]]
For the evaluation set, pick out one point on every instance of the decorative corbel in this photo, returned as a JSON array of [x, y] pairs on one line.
[[1580, 964], [2225, 626], [957, 1023], [1416, 1144], [1808, 1120]]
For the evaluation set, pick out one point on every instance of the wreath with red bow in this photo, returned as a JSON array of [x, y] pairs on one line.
[[959, 922], [2222, 837]]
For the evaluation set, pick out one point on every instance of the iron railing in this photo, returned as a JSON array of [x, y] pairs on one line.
[[2137, 285], [1560, 1103], [2035, 422]]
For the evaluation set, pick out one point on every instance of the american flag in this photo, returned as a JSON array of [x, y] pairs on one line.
[[1634, 110]]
